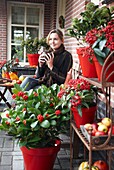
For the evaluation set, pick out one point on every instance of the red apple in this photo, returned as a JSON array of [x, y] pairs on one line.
[[94, 126], [109, 130], [99, 133], [94, 132], [102, 165]]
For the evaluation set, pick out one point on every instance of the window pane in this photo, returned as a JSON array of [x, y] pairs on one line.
[[32, 16], [17, 35], [17, 51], [18, 15], [32, 32]]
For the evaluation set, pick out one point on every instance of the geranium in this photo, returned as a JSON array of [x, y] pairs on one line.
[[101, 41], [39, 116], [80, 94]]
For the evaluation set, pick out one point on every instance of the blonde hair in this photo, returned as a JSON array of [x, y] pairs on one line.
[[58, 32]]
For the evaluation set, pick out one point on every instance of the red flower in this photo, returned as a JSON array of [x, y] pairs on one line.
[[40, 118], [20, 94], [35, 94], [8, 123], [14, 96], [25, 97], [57, 112], [7, 115], [24, 122], [24, 109], [61, 93], [17, 118]]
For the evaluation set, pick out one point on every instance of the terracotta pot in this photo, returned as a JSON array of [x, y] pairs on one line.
[[88, 69], [33, 59], [40, 158], [88, 115]]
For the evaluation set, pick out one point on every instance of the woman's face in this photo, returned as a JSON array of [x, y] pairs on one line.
[[54, 41]]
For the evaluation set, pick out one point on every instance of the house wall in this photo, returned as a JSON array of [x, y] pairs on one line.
[[50, 7]]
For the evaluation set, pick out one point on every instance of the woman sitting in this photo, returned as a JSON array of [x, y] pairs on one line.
[[53, 65]]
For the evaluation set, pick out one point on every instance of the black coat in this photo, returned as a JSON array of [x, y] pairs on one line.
[[62, 63]]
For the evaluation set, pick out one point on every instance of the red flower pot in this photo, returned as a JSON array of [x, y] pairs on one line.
[[88, 115], [40, 158], [88, 69], [108, 69], [33, 59]]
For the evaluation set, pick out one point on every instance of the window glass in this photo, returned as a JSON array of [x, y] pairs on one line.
[[17, 34], [32, 32], [32, 16], [18, 16]]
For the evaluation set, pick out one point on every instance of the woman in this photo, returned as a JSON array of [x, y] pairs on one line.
[[53, 65]]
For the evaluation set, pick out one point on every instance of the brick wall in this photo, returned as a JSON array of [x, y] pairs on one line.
[[2, 30], [73, 9]]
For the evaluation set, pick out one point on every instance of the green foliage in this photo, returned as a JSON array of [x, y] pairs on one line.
[[38, 117], [33, 45], [92, 17]]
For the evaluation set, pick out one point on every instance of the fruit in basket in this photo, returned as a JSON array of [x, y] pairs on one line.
[[13, 76], [87, 126], [103, 128], [106, 121], [102, 165], [99, 133], [109, 130], [21, 78], [83, 165]]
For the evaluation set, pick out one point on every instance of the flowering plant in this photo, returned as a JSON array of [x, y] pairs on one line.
[[80, 93], [38, 117], [101, 42], [92, 17]]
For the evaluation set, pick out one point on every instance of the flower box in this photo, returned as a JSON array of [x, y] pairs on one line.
[[96, 140]]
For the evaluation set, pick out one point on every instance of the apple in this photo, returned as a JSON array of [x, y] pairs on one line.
[[109, 130], [106, 121], [94, 125], [87, 126], [99, 133], [21, 78], [93, 132], [103, 128]]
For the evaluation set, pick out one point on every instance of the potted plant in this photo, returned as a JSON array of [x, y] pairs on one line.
[[33, 45], [82, 99], [101, 44], [7, 68], [36, 121], [93, 17]]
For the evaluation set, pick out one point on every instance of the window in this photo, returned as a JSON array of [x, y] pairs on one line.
[[24, 19]]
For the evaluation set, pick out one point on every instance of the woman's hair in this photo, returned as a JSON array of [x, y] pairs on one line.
[[58, 32]]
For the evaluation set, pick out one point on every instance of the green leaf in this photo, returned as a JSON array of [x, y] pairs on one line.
[[99, 53], [45, 124], [102, 44], [33, 125], [53, 122]]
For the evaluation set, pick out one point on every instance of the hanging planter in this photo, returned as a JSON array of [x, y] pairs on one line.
[[88, 68], [40, 158]]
